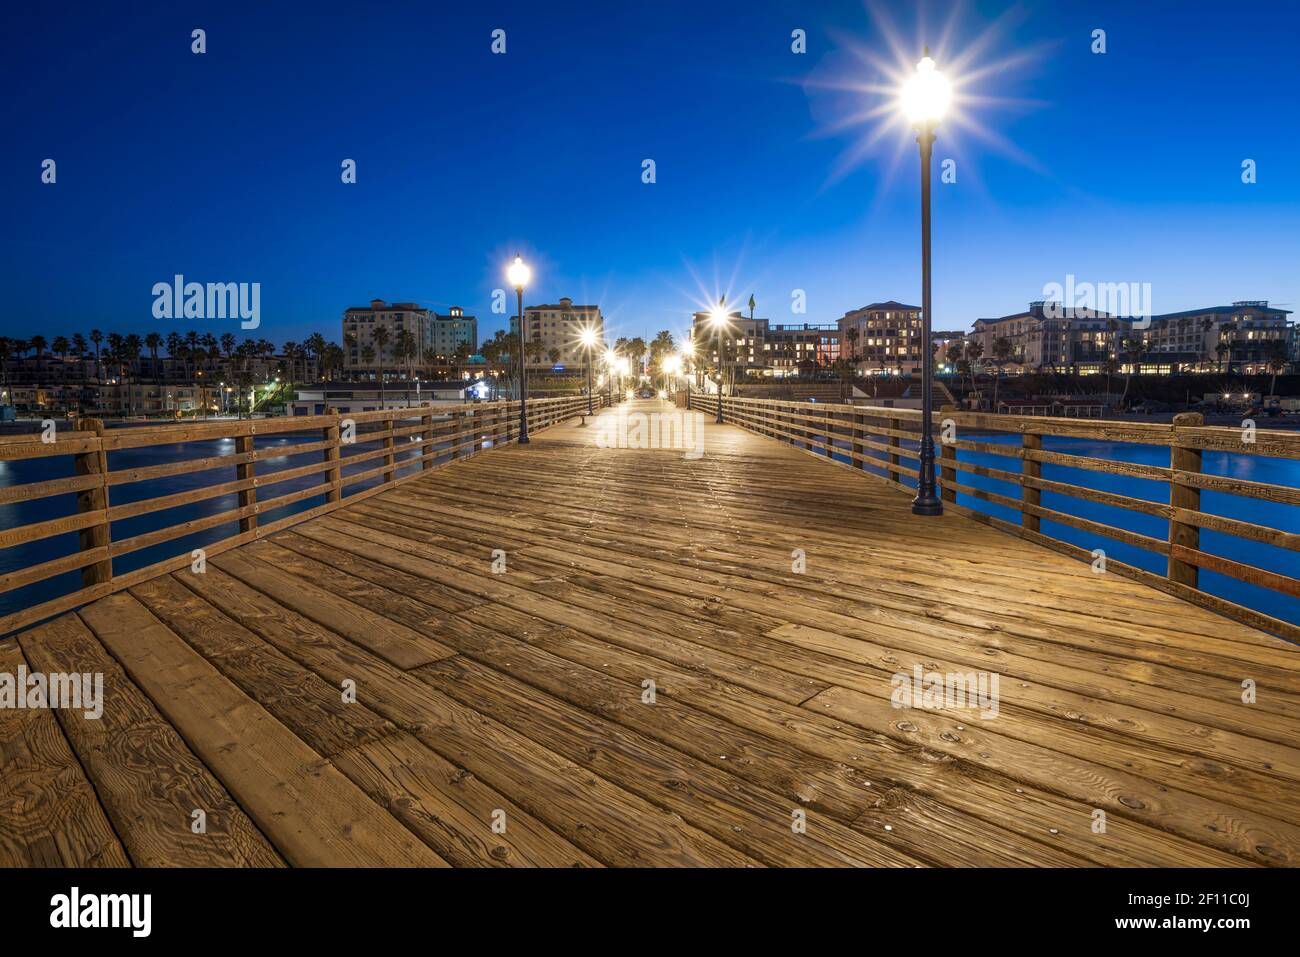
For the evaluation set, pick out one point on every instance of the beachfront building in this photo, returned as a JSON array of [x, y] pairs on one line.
[[884, 338], [557, 329]]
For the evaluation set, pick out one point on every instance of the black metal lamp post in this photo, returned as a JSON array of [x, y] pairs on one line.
[[719, 318], [519, 274], [924, 99], [588, 340]]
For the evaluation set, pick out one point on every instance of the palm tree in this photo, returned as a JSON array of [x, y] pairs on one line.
[[132, 346], [637, 349], [1207, 324], [380, 336], [38, 344], [153, 341], [1135, 349], [368, 357], [333, 358], [1278, 360], [8, 349], [192, 348], [97, 337], [316, 346], [974, 351], [463, 351], [1002, 352], [404, 349], [491, 351], [1221, 350]]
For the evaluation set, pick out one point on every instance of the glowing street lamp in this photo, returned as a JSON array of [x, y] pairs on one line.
[[718, 319], [924, 100], [518, 274], [588, 339], [671, 366], [611, 364], [688, 354]]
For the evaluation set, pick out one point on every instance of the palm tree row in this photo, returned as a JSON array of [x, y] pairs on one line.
[[120, 358]]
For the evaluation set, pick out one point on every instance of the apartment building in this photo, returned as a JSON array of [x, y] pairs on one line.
[[360, 323], [885, 338], [1044, 338], [558, 328], [743, 336], [790, 349], [448, 333], [1239, 337]]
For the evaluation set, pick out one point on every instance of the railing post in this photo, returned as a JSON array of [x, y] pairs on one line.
[[333, 475], [247, 471], [1184, 459], [858, 426], [947, 458], [389, 467], [1029, 469], [895, 442], [427, 434], [94, 499]]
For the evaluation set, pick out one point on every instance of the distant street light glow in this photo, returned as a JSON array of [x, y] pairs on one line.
[[519, 273], [926, 94]]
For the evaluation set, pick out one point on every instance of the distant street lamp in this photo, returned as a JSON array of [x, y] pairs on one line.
[[611, 362], [718, 319], [588, 339], [688, 353], [519, 274], [924, 100]]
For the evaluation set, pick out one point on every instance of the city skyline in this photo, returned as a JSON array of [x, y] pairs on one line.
[[210, 175]]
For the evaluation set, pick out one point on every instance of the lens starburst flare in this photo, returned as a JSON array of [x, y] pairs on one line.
[[926, 94]]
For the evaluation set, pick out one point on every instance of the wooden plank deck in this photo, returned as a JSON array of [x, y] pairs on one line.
[[518, 698]]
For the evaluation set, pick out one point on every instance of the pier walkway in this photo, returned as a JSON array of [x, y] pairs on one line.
[[561, 654]]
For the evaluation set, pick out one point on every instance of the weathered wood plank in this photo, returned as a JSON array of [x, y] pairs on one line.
[[311, 813], [50, 815], [148, 780]]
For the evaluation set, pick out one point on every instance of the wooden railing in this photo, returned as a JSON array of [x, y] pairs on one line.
[[884, 441], [346, 457]]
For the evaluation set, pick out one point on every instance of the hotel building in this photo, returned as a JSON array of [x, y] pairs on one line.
[[1239, 338], [360, 324], [559, 327], [884, 338], [450, 332]]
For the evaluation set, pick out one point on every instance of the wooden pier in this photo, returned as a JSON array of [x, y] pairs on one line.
[[563, 654]]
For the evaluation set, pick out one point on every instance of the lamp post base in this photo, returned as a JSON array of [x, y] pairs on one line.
[[927, 506]]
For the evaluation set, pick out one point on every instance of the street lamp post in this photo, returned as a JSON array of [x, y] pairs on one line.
[[611, 359], [519, 274], [688, 354], [588, 340], [925, 98], [719, 317]]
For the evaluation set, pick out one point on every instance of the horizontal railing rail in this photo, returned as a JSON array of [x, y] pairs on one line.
[[93, 484], [884, 443]]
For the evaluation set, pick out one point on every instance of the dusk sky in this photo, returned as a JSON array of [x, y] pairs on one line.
[[1124, 166]]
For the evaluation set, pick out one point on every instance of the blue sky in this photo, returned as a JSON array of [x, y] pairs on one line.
[[1115, 167]]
